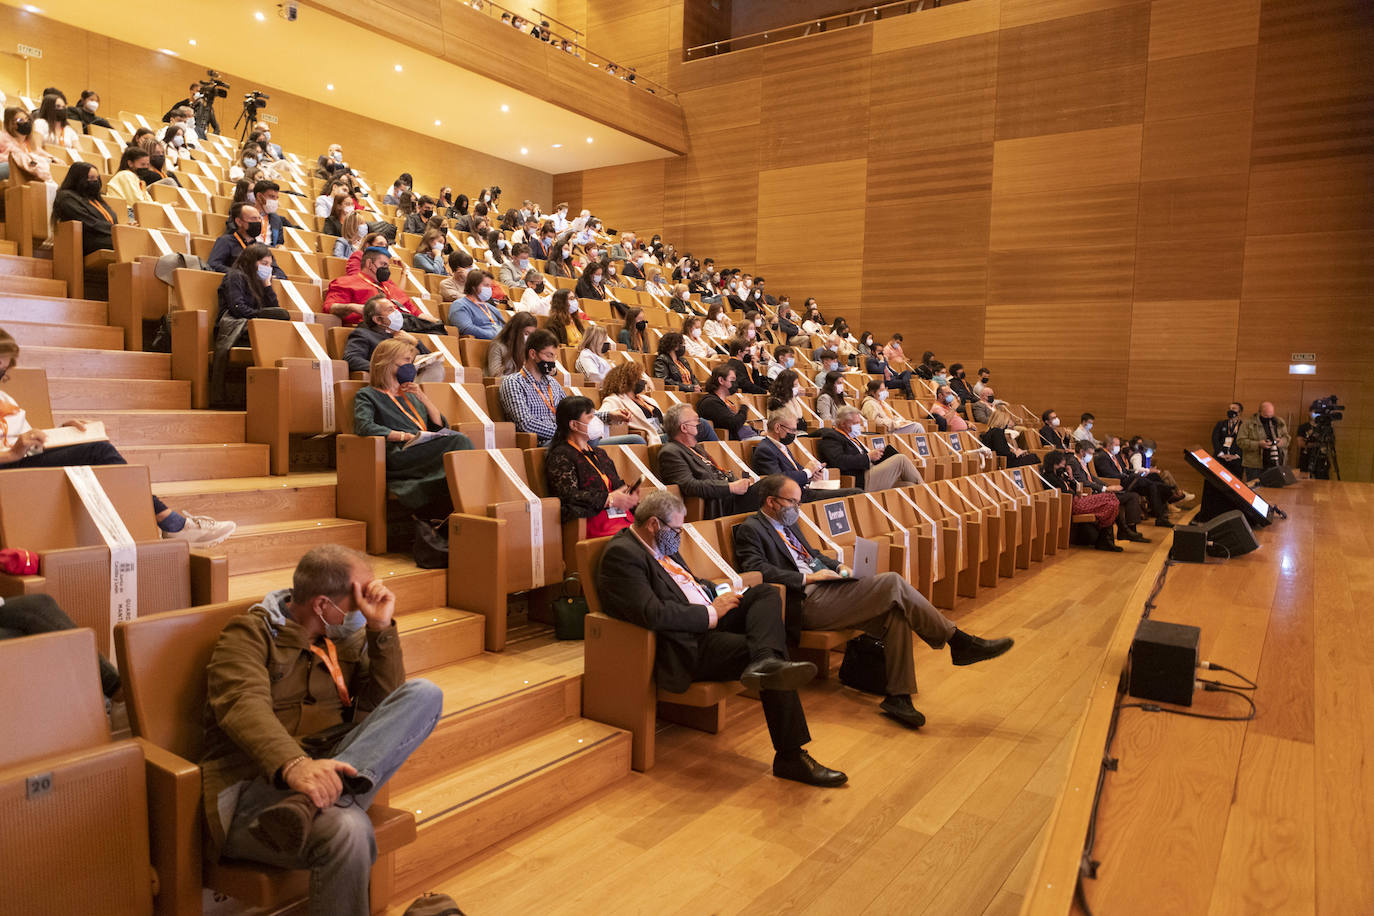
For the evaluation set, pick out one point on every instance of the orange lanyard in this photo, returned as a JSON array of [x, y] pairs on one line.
[[105, 212], [330, 657], [674, 569], [414, 418], [547, 399], [801, 552], [788, 455], [707, 458], [245, 244], [682, 368], [857, 444], [590, 455], [490, 312]]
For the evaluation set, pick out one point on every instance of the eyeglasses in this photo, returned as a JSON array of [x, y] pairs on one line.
[[788, 502]]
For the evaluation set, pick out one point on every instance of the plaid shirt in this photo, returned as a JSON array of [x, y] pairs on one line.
[[523, 398]]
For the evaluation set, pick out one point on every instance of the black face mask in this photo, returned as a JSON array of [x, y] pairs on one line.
[[426, 213], [641, 386], [539, 287], [788, 439], [91, 186], [1062, 471], [254, 229], [24, 128], [681, 352], [641, 325], [383, 274], [1232, 414], [157, 161], [547, 366], [605, 348]]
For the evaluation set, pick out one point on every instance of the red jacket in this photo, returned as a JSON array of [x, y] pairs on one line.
[[356, 289]]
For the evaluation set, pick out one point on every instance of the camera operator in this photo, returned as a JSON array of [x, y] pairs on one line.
[[1317, 439], [1225, 448], [201, 101], [1263, 440]]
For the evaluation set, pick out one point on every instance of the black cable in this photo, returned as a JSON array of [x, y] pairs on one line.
[[1210, 686], [1158, 587], [1213, 666]]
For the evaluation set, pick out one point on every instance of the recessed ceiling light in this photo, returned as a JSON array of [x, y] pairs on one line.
[[260, 17], [398, 68], [167, 52], [589, 139], [30, 8], [329, 86], [437, 122], [505, 108], [524, 151], [192, 42], [558, 146]]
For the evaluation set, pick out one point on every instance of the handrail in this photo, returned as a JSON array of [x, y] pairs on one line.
[[860, 15], [545, 16]]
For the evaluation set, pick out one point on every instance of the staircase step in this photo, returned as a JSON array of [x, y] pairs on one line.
[[23, 306], [492, 701], [470, 808], [103, 364], [129, 428], [12, 265], [253, 500], [69, 393], [439, 636], [38, 286], [254, 548], [415, 588], [8, 247], [37, 334], [196, 462]]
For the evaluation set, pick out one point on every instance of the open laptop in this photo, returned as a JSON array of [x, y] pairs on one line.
[[865, 558]]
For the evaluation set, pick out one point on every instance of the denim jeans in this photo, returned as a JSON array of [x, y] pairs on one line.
[[621, 440], [340, 849]]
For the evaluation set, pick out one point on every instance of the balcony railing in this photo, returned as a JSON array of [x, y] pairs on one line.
[[856, 17]]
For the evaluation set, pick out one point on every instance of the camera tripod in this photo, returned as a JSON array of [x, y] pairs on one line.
[[1321, 460], [248, 116]]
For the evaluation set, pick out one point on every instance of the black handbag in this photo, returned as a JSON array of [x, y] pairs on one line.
[[570, 611], [431, 544], [864, 666]]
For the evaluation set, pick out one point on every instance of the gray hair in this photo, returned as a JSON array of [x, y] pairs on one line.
[[659, 504], [776, 418], [672, 418], [326, 570], [848, 410]]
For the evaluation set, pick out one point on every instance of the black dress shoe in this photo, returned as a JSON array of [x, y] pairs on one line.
[[901, 710], [976, 649], [1110, 547], [804, 768], [283, 827], [1136, 537], [1163, 522], [777, 674]]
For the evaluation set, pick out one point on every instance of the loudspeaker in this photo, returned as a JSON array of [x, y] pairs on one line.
[[1190, 544], [1229, 535], [1278, 476], [1163, 662]]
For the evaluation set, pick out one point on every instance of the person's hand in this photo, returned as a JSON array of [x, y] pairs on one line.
[[875, 453], [844, 571], [622, 415], [78, 425], [376, 602], [822, 575], [412, 388], [28, 443], [319, 780], [1114, 488], [740, 487], [725, 603], [1267, 442], [405, 336], [622, 499]]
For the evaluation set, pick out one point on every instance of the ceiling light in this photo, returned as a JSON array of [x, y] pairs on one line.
[[167, 52], [329, 86], [259, 17], [505, 108], [30, 8], [524, 151], [589, 139], [558, 146], [437, 122], [398, 68], [192, 42]]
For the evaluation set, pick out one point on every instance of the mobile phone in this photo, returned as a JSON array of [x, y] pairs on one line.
[[722, 589], [635, 486]]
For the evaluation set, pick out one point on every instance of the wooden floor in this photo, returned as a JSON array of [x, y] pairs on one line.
[[1277, 814], [944, 821]]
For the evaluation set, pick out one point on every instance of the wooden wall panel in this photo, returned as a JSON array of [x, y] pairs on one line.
[[1191, 208], [1211, 81], [1336, 264], [634, 193], [1189, 269], [975, 17], [1083, 159], [1180, 27], [1016, 13], [1059, 275], [1311, 195], [1210, 144], [1073, 217], [814, 105]]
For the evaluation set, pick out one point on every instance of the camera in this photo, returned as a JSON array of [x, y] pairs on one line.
[[289, 10], [255, 100], [1319, 451], [214, 87], [1327, 410]]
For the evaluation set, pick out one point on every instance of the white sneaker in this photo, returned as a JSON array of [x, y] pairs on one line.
[[202, 531]]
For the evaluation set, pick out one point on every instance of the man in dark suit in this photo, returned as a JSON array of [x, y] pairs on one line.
[[1131, 513], [701, 636], [821, 596], [684, 462], [1110, 466], [874, 469], [772, 457], [1050, 433]]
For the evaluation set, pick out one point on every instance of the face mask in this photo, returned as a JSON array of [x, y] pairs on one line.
[[681, 352], [833, 367], [949, 399], [567, 252], [1232, 414], [641, 324], [882, 394], [254, 229], [92, 106], [1054, 421], [178, 140], [788, 439], [789, 362], [1088, 425], [249, 161], [484, 293], [596, 429], [337, 156], [264, 272], [24, 128], [685, 296], [267, 135], [596, 278], [856, 429], [92, 187], [405, 374], [796, 391], [271, 206], [383, 274], [426, 214], [547, 366], [668, 541], [749, 334], [60, 116], [606, 347], [610, 271], [734, 285], [573, 308], [362, 232], [1149, 453], [942, 379], [789, 516], [157, 160], [524, 263], [1116, 449], [696, 333]]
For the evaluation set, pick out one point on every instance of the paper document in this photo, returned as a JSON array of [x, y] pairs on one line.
[[427, 435]]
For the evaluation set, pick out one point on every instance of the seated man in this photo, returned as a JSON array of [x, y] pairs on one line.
[[771, 456], [1130, 512], [1110, 466], [877, 364], [829, 361], [308, 714], [821, 596], [682, 461], [512, 272], [530, 397], [1050, 434], [419, 218], [784, 358], [703, 637], [266, 197], [382, 320], [1084, 431], [244, 229], [451, 287], [347, 294], [719, 408], [474, 315], [873, 469], [1226, 439]]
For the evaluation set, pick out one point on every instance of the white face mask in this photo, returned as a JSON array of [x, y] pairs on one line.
[[1116, 449], [92, 106], [270, 206], [264, 272], [1088, 425], [572, 306], [856, 429], [882, 394], [596, 429], [437, 247], [796, 391], [696, 333], [178, 140], [395, 320], [362, 231], [1054, 421], [685, 296]]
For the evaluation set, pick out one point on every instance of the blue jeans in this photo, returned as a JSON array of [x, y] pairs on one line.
[[620, 440], [341, 848]]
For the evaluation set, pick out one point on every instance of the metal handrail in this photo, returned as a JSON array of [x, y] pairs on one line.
[[545, 16], [861, 15]]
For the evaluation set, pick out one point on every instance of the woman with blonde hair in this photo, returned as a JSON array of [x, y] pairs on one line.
[[626, 388], [691, 336], [882, 417], [430, 256], [395, 408], [1001, 436], [592, 358], [354, 229]]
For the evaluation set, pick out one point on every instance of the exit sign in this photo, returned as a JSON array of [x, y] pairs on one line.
[[268, 118], [1304, 357], [26, 51]]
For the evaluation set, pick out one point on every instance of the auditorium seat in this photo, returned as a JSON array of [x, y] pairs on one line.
[[286, 393], [71, 265]]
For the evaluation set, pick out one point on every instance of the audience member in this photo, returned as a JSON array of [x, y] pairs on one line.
[[452, 286], [245, 228], [530, 397], [634, 336], [1050, 433], [50, 127], [882, 417], [823, 595], [430, 255], [514, 271], [1001, 436], [346, 295], [1131, 511], [1084, 431], [85, 111], [592, 357], [382, 320], [419, 218], [670, 363], [582, 476], [565, 319], [536, 297], [946, 410], [474, 315], [831, 397], [785, 395], [246, 291], [503, 356], [872, 468], [1055, 469], [1108, 464], [877, 364], [703, 636], [625, 388], [400, 186], [14, 144], [78, 198], [771, 455], [1226, 439], [682, 461], [126, 183], [721, 409]]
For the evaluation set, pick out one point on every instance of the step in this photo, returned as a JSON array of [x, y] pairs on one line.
[[415, 588], [71, 393], [196, 462], [12, 265], [492, 701], [27, 307], [8, 247], [473, 807], [254, 548], [439, 636], [128, 428], [251, 500], [37, 286], [37, 334], [101, 364]]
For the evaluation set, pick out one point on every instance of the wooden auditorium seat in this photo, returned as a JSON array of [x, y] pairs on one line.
[[285, 393]]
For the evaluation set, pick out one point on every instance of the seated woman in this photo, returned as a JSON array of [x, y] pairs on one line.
[[503, 356], [692, 333], [1000, 436], [720, 408], [126, 183], [945, 409], [831, 398], [394, 407], [22, 446], [591, 358], [495, 251], [246, 290], [564, 319], [537, 297], [656, 287], [1102, 506], [354, 231], [635, 335], [785, 395], [14, 141], [625, 388], [430, 257], [591, 284], [78, 198], [339, 210], [718, 326], [581, 475], [560, 263], [670, 364], [882, 417]]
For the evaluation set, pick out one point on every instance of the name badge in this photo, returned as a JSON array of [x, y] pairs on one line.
[[817, 565], [613, 512]]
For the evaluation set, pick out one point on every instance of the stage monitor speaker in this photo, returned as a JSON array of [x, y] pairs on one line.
[[1278, 476], [1190, 544], [1229, 535], [1164, 662]]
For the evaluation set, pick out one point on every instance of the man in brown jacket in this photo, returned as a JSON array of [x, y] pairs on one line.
[[307, 715]]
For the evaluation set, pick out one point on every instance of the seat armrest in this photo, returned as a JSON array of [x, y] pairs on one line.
[[174, 834], [209, 578]]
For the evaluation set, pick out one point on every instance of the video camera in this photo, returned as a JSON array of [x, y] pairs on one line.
[[252, 101], [213, 88], [1326, 411]]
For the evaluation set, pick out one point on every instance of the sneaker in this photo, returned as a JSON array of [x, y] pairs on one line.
[[202, 531]]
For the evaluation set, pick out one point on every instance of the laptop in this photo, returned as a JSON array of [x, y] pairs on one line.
[[865, 558]]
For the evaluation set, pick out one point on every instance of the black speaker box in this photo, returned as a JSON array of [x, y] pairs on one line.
[[1190, 544], [1229, 535], [1278, 476], [1164, 662]]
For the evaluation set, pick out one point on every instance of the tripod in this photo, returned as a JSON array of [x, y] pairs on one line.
[[1321, 453], [247, 117]]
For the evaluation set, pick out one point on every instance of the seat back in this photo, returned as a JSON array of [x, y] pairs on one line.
[[162, 664], [834, 517], [29, 387], [52, 696], [166, 217], [588, 562], [197, 290], [134, 242], [478, 486], [40, 510]]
